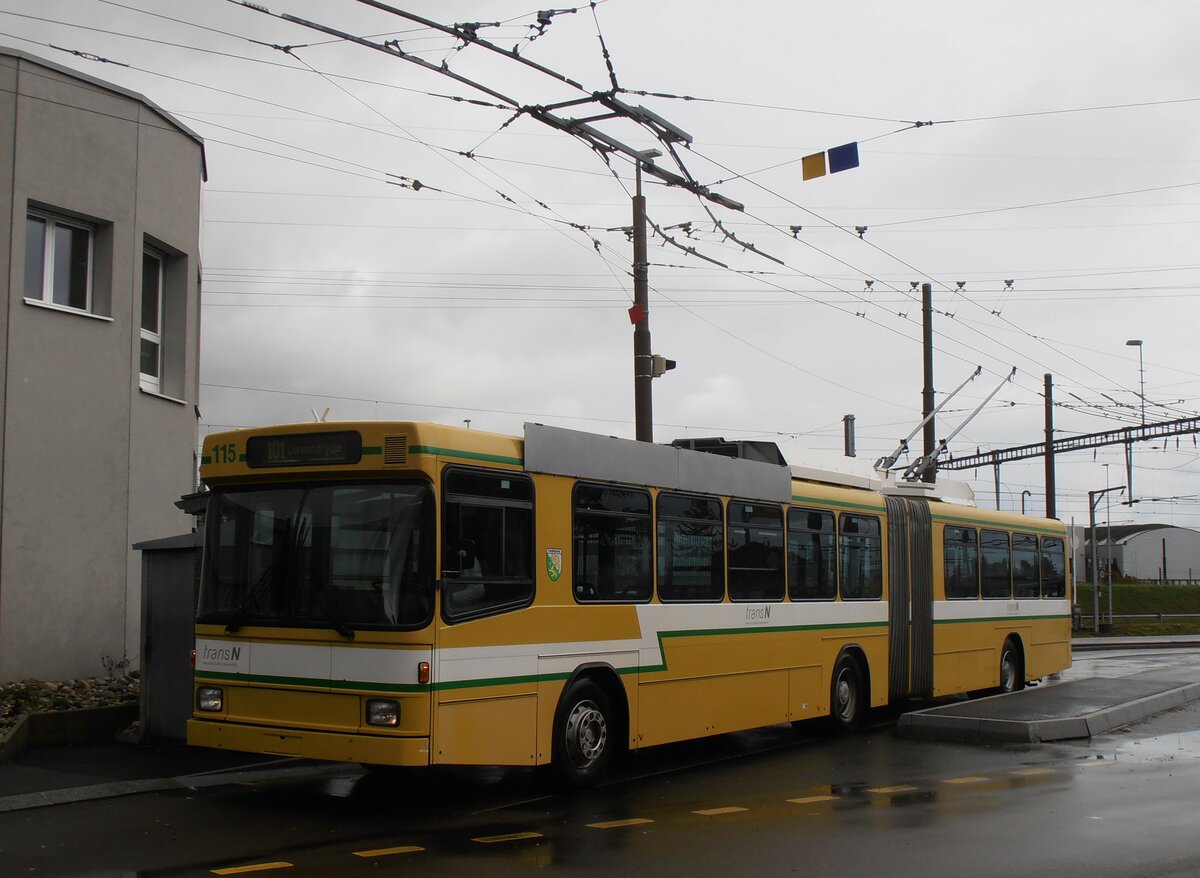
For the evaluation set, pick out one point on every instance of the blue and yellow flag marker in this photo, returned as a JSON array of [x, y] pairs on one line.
[[840, 158]]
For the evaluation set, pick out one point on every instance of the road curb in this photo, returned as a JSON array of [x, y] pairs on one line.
[[287, 769], [940, 723]]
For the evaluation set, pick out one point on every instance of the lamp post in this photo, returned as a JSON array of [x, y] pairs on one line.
[[1024, 494], [1137, 343]]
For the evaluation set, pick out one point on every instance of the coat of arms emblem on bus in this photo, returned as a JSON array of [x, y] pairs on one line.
[[554, 564]]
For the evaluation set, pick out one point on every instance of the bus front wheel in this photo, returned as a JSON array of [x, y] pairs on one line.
[[846, 696], [583, 734]]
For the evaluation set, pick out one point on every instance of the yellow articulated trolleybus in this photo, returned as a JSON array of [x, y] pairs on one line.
[[413, 594]]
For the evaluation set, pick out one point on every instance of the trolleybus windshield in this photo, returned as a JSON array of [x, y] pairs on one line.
[[343, 556]]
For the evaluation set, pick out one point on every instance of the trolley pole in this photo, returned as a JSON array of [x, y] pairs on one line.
[[930, 443], [643, 405]]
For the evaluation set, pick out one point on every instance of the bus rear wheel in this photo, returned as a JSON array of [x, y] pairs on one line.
[[583, 730], [1012, 677], [846, 696]]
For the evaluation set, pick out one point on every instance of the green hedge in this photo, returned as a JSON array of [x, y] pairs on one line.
[[1142, 599]]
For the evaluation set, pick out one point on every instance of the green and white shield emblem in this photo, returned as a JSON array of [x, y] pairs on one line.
[[554, 564]]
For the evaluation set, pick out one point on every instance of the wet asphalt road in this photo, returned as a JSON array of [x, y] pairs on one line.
[[772, 802]]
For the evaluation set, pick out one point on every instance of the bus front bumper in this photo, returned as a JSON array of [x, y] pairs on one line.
[[306, 744]]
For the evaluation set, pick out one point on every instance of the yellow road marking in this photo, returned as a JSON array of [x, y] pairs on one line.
[[257, 867], [715, 812], [809, 800], [903, 788], [1028, 772], [972, 779], [387, 852], [512, 836], [614, 824]]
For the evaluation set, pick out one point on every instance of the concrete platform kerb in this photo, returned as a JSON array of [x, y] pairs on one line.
[[1050, 713]]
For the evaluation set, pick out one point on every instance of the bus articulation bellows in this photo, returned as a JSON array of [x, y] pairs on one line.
[[414, 594]]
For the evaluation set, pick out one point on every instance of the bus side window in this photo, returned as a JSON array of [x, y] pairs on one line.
[[997, 569], [861, 564], [754, 540], [1054, 573], [1026, 582], [611, 539], [487, 542], [812, 555], [691, 548], [961, 563]]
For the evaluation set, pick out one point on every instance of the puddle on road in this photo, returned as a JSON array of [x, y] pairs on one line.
[[1164, 748]]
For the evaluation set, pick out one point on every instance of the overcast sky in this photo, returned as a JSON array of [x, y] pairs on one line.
[[1053, 205]]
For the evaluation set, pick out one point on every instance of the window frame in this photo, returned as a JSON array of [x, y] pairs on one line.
[[659, 555], [947, 542], [152, 383], [833, 549], [51, 221], [451, 585], [644, 596], [1061, 575], [876, 582], [983, 549], [227, 507], [1026, 539], [741, 595]]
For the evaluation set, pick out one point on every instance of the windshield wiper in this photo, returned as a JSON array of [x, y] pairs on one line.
[[290, 541], [316, 587], [235, 621]]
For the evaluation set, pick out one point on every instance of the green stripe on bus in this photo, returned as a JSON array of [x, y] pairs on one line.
[[799, 498], [978, 522], [720, 632], [527, 679], [372, 449], [465, 455]]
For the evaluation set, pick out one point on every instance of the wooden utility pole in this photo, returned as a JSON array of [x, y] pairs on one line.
[[643, 405], [930, 437], [1050, 446]]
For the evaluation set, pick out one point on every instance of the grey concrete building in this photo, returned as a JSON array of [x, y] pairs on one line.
[[1149, 552], [100, 334]]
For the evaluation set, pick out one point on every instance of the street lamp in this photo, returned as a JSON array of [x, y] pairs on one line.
[[1024, 494], [1137, 343]]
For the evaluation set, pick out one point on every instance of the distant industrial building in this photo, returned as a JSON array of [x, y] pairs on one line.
[[100, 336], [1148, 552]]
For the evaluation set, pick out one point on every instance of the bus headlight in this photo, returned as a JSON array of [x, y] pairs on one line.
[[383, 713], [210, 698]]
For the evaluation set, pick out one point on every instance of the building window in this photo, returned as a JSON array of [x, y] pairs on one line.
[[58, 261], [152, 320]]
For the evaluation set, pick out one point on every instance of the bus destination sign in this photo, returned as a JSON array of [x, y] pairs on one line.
[[304, 449]]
